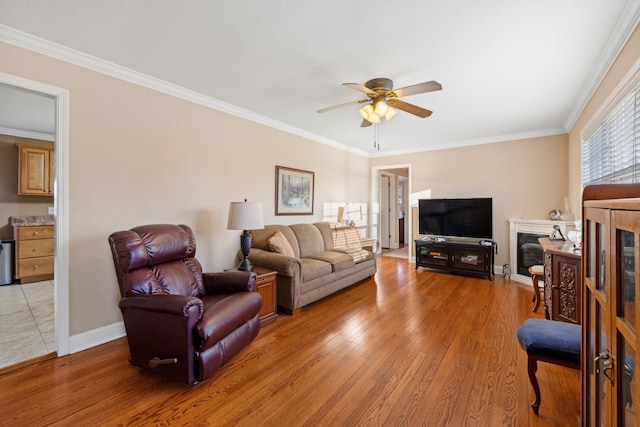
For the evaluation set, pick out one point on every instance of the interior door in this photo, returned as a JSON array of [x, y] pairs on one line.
[[385, 211]]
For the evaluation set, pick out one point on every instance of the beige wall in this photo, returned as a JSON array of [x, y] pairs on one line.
[[627, 58], [525, 178], [138, 156], [10, 203]]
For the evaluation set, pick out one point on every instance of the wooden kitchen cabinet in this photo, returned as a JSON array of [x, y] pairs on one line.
[[34, 253], [35, 170]]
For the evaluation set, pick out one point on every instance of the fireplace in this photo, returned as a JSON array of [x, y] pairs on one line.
[[524, 249], [529, 252]]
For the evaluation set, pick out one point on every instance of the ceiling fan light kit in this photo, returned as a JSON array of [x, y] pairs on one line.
[[372, 114], [382, 99]]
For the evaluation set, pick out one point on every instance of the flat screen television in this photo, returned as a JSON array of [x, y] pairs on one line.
[[471, 217]]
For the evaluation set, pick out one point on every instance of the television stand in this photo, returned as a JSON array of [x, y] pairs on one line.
[[458, 255]]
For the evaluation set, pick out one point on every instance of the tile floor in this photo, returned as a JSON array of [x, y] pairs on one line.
[[27, 324]]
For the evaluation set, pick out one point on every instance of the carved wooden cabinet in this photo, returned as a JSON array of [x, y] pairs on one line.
[[562, 280]]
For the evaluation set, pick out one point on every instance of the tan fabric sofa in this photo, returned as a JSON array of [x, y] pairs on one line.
[[326, 259]]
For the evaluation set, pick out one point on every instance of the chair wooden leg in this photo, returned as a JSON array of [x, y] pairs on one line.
[[536, 292], [532, 368]]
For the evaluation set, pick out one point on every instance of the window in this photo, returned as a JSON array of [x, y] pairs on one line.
[[611, 154], [346, 213], [414, 197]]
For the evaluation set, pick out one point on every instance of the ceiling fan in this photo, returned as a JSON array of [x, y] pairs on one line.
[[383, 99]]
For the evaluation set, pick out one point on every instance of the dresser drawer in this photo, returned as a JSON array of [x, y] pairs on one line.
[[37, 232], [35, 248], [35, 266]]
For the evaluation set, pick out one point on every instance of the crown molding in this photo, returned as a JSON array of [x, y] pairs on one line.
[[56, 51], [627, 23], [27, 134], [479, 141]]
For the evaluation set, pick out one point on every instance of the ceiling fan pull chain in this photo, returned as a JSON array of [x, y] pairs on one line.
[[376, 136]]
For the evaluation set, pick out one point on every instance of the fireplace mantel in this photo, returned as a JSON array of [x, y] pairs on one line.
[[533, 226]]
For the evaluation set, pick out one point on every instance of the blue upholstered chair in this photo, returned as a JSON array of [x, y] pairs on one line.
[[552, 342]]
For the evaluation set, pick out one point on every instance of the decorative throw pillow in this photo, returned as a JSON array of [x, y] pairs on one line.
[[278, 243]]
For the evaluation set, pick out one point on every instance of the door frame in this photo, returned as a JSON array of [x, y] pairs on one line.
[[375, 205], [60, 201]]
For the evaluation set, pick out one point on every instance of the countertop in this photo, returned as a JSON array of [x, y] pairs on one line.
[[560, 247], [31, 220]]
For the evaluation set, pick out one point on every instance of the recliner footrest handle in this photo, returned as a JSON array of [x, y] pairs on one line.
[[156, 361]]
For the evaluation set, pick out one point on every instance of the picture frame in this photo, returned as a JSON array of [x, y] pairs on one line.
[[294, 191]]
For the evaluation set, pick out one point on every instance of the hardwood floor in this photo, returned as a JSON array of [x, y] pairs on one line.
[[409, 348]]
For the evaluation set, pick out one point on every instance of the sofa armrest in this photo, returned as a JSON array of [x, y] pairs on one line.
[[229, 282], [370, 245], [285, 265], [176, 305]]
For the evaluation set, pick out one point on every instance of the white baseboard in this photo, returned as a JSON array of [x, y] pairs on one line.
[[96, 337]]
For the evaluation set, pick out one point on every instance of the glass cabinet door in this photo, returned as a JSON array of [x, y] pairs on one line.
[[611, 254], [597, 344], [625, 232]]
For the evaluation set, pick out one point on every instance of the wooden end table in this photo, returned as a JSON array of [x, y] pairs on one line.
[[266, 284]]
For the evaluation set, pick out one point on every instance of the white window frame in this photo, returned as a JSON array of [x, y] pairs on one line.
[[619, 153]]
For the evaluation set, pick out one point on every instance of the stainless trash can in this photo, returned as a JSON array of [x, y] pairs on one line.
[[6, 261]]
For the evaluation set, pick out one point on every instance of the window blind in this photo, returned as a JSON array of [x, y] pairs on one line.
[[611, 154]]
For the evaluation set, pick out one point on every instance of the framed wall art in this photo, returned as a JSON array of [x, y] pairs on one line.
[[294, 191]]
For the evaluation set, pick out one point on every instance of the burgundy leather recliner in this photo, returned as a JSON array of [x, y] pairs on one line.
[[180, 322]]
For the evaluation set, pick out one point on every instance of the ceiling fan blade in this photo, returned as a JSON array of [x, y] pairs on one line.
[[409, 108], [360, 88], [346, 104], [415, 89], [365, 123]]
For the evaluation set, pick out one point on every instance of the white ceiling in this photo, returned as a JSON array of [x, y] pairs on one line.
[[509, 68]]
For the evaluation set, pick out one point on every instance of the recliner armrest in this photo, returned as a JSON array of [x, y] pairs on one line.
[[178, 305], [229, 282]]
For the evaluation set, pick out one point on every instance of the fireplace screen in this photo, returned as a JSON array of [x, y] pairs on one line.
[[529, 252]]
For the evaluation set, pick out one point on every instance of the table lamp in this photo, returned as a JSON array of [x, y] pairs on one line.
[[245, 216]]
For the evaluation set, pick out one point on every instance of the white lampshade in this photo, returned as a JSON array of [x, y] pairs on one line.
[[390, 113], [245, 216]]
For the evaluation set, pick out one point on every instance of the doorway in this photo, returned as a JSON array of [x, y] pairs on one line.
[[61, 201], [391, 186]]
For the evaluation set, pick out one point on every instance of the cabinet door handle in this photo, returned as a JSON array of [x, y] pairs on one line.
[[607, 365], [35, 233]]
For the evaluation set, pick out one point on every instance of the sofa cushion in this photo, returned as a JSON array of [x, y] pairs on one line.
[[278, 243], [314, 268], [309, 239], [260, 237], [339, 260], [357, 254], [346, 237]]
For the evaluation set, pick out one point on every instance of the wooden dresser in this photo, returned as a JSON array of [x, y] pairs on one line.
[[34, 252], [562, 280]]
